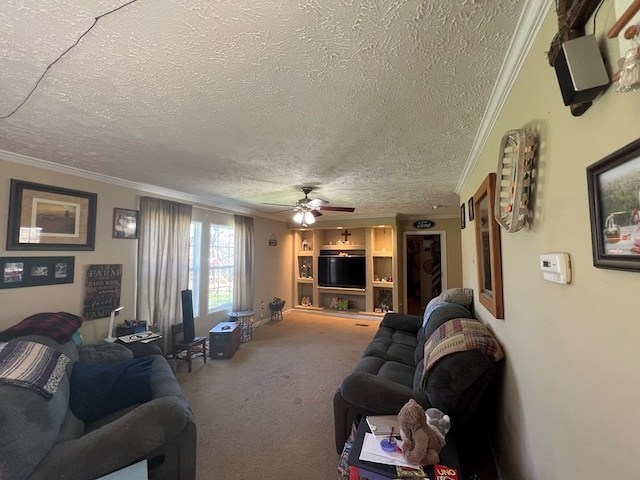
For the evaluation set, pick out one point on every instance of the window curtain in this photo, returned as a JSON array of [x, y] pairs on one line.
[[163, 263], [243, 264]]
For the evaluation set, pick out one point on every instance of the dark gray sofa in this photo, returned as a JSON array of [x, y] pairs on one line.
[[42, 439], [389, 373]]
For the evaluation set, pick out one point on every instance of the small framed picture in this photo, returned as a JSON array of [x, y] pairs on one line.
[[463, 222], [125, 223], [470, 208]]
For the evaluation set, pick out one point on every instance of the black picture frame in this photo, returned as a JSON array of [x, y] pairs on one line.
[[125, 223], [463, 221], [36, 271], [470, 208], [614, 206], [43, 217]]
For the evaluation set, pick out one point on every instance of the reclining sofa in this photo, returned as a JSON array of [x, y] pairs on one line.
[[130, 409], [391, 370]]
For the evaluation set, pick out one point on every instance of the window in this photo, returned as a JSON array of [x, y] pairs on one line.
[[221, 242], [195, 247]]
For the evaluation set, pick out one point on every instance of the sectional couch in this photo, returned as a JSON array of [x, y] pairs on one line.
[[392, 368], [106, 410]]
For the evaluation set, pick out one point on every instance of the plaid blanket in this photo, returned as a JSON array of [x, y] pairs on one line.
[[458, 335], [32, 365], [59, 326]]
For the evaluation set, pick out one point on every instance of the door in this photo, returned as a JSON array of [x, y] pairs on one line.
[[425, 268]]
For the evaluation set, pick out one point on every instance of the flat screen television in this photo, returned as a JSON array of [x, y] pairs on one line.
[[187, 316], [342, 272]]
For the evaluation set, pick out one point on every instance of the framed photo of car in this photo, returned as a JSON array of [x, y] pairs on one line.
[[614, 205]]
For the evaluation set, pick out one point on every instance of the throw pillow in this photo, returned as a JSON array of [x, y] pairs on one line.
[[105, 353], [434, 303], [98, 390], [462, 296]]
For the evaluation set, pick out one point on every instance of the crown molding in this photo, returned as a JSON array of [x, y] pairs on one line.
[[220, 207], [533, 16]]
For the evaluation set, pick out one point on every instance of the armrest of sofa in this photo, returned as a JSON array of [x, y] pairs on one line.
[[402, 321], [118, 444], [372, 393]]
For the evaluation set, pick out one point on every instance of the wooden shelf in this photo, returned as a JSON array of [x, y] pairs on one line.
[[307, 253], [302, 307], [342, 247], [344, 291], [304, 280], [382, 254], [383, 285]]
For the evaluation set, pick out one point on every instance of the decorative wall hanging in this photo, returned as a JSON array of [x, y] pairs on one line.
[[515, 161], [42, 217], [463, 222], [424, 224], [614, 205], [273, 242], [36, 271], [125, 223], [102, 290], [470, 208]]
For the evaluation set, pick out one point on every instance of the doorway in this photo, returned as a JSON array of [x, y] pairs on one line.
[[425, 269]]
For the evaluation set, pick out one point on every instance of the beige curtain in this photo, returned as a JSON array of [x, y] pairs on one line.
[[163, 263], [243, 264]]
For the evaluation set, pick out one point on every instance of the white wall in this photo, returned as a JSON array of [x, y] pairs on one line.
[[19, 303], [569, 399]]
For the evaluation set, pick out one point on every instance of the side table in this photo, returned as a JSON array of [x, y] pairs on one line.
[[140, 345], [224, 340], [448, 457], [245, 319]]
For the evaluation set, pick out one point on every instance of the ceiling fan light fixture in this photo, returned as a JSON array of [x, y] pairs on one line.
[[298, 217], [309, 219]]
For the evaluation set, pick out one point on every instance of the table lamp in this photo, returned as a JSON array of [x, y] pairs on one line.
[[111, 338]]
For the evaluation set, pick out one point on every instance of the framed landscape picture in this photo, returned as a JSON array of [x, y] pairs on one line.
[[614, 205], [43, 217]]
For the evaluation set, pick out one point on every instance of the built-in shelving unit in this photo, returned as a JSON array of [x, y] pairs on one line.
[[377, 244]]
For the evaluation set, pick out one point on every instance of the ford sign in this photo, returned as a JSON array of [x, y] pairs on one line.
[[424, 224]]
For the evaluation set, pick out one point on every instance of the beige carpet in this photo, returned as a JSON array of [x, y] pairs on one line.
[[267, 413]]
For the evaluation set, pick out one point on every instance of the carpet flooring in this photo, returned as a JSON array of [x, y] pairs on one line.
[[267, 413]]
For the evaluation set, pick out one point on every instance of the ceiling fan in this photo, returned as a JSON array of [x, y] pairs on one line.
[[307, 209]]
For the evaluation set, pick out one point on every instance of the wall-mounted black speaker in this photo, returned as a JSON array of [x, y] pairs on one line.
[[580, 70], [187, 316]]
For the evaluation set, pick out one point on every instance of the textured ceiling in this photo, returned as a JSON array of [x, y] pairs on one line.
[[374, 102]]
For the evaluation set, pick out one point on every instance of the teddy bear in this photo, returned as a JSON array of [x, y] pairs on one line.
[[421, 445]]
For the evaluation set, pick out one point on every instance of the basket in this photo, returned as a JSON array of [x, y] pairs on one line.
[[275, 306]]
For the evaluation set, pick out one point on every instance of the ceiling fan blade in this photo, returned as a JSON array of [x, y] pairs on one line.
[[277, 204], [316, 213], [280, 211], [338, 209], [318, 202]]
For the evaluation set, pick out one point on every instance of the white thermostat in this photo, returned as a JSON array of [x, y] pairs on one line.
[[556, 267]]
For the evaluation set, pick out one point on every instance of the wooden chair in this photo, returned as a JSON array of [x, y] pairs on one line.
[[199, 344]]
